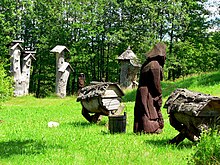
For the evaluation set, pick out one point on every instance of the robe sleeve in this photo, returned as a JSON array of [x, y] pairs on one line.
[[156, 73]]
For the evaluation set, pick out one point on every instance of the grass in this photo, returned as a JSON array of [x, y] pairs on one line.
[[25, 137]]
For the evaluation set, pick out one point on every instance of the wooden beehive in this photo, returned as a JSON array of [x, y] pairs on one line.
[[191, 112], [62, 69], [103, 98], [193, 103], [130, 66]]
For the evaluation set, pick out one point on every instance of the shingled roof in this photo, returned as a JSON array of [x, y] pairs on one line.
[[98, 89], [129, 55]]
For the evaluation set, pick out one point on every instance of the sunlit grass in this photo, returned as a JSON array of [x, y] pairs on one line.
[[25, 137]]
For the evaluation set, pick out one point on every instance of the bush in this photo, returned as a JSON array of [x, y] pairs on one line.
[[5, 84], [207, 150], [130, 95]]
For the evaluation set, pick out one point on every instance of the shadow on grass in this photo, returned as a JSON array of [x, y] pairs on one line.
[[85, 124], [80, 124], [165, 142], [21, 147], [24, 147]]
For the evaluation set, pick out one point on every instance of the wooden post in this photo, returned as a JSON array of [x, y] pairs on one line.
[[62, 70], [26, 69], [20, 74], [15, 69]]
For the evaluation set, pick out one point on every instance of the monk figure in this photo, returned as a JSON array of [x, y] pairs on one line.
[[147, 114]]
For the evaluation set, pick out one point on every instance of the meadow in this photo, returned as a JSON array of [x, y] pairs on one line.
[[25, 137]]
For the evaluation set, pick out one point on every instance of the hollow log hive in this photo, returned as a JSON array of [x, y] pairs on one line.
[[103, 98], [193, 103], [190, 113]]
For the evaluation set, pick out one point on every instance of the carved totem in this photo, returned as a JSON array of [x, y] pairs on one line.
[[62, 70], [20, 73], [26, 70]]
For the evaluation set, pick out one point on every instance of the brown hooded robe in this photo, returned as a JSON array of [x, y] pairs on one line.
[[147, 114]]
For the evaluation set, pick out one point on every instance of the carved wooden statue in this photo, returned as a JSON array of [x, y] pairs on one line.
[[20, 73], [62, 70], [129, 69]]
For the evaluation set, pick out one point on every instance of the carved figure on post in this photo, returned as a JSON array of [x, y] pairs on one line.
[[81, 82]]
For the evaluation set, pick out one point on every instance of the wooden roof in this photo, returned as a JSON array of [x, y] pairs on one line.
[[59, 49], [99, 89], [17, 45], [64, 66], [130, 56], [192, 103], [29, 54]]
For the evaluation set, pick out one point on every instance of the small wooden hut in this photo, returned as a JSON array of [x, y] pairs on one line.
[[130, 66]]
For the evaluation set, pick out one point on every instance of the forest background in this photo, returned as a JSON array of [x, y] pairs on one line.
[[97, 31]]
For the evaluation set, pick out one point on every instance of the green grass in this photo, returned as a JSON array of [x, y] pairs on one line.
[[25, 137]]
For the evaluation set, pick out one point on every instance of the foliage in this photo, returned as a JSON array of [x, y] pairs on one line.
[[97, 31], [5, 84], [203, 82], [207, 150], [7, 27]]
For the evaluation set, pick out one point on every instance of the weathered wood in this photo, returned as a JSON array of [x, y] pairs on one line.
[[26, 69], [62, 70], [192, 112], [192, 103], [20, 68], [130, 65], [101, 98]]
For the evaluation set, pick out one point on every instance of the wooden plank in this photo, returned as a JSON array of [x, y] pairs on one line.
[[109, 94]]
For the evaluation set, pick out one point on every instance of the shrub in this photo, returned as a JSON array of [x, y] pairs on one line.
[[130, 95], [5, 84], [207, 150]]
